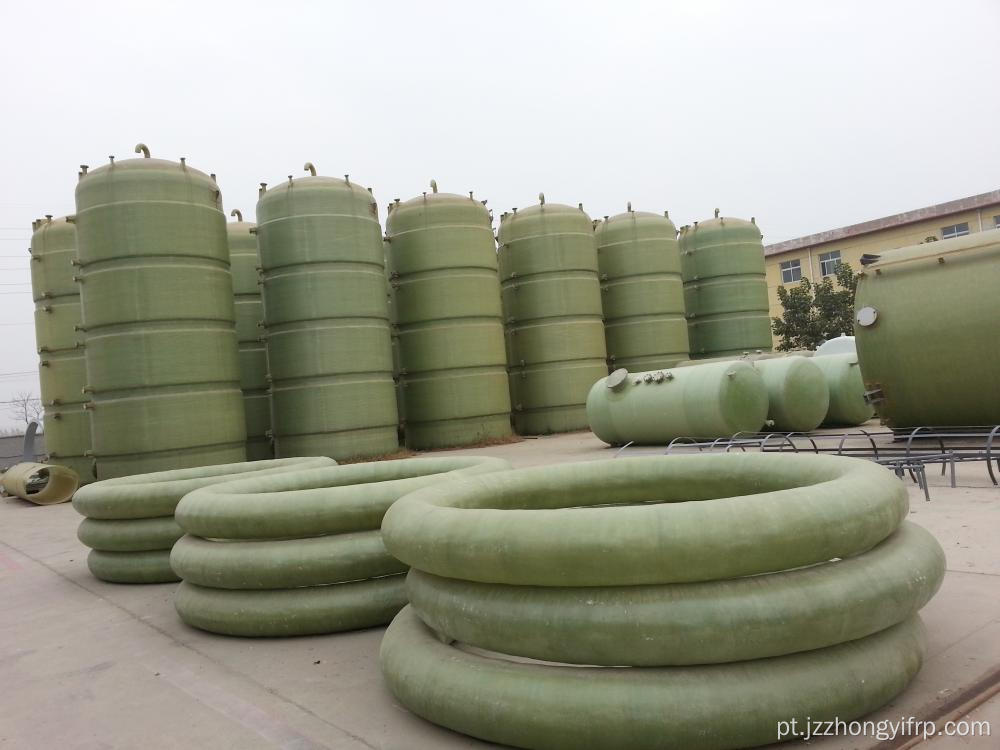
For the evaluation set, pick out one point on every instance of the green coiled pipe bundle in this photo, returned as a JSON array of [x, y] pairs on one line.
[[300, 554], [679, 601], [129, 523]]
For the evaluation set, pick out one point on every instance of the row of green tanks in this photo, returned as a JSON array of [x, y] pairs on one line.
[[628, 294], [207, 343]]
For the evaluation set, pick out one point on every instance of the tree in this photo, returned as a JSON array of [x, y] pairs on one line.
[[814, 313], [25, 407]]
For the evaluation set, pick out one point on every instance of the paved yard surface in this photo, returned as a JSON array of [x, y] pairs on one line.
[[85, 664]]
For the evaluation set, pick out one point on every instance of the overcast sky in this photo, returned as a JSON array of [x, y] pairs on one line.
[[807, 115]]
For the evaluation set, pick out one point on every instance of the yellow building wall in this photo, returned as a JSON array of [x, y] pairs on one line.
[[852, 248]]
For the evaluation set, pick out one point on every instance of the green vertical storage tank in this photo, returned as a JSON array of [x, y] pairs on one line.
[[926, 332], [157, 299], [725, 292], [244, 260], [446, 300], [326, 318], [552, 310], [62, 372], [642, 291]]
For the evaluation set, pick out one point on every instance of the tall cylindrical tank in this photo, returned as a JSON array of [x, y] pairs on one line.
[[446, 298], [711, 400], [642, 290], [926, 332], [326, 319], [725, 292], [62, 372], [848, 406], [552, 309], [157, 298], [245, 261]]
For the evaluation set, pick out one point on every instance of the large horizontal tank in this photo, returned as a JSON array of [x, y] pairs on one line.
[[326, 318], [642, 291], [244, 260], [62, 372], [926, 331], [848, 405], [157, 298], [552, 310], [711, 400], [725, 292], [448, 321]]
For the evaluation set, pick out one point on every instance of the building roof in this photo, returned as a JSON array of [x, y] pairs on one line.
[[886, 222]]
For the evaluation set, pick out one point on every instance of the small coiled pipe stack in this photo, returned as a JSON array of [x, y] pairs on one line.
[[699, 590], [300, 554], [130, 524]]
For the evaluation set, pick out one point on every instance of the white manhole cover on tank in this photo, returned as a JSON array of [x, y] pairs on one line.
[[867, 316]]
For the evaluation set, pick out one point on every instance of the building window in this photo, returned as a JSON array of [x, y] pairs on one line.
[[996, 222], [955, 230], [791, 271], [828, 262]]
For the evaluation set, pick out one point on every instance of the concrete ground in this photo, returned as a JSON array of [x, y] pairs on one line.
[[86, 664]]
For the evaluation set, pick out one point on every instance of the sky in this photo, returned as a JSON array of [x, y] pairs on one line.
[[807, 115]]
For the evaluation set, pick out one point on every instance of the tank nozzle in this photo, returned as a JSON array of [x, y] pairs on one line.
[[237, 213], [308, 166], [142, 148]]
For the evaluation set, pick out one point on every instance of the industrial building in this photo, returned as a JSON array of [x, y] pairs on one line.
[[817, 255]]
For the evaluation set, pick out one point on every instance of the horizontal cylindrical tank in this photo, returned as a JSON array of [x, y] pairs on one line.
[[326, 319], [244, 260], [848, 406], [926, 332], [725, 293], [797, 392], [62, 372], [838, 345], [552, 310], [447, 320], [705, 401], [642, 290], [157, 296]]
